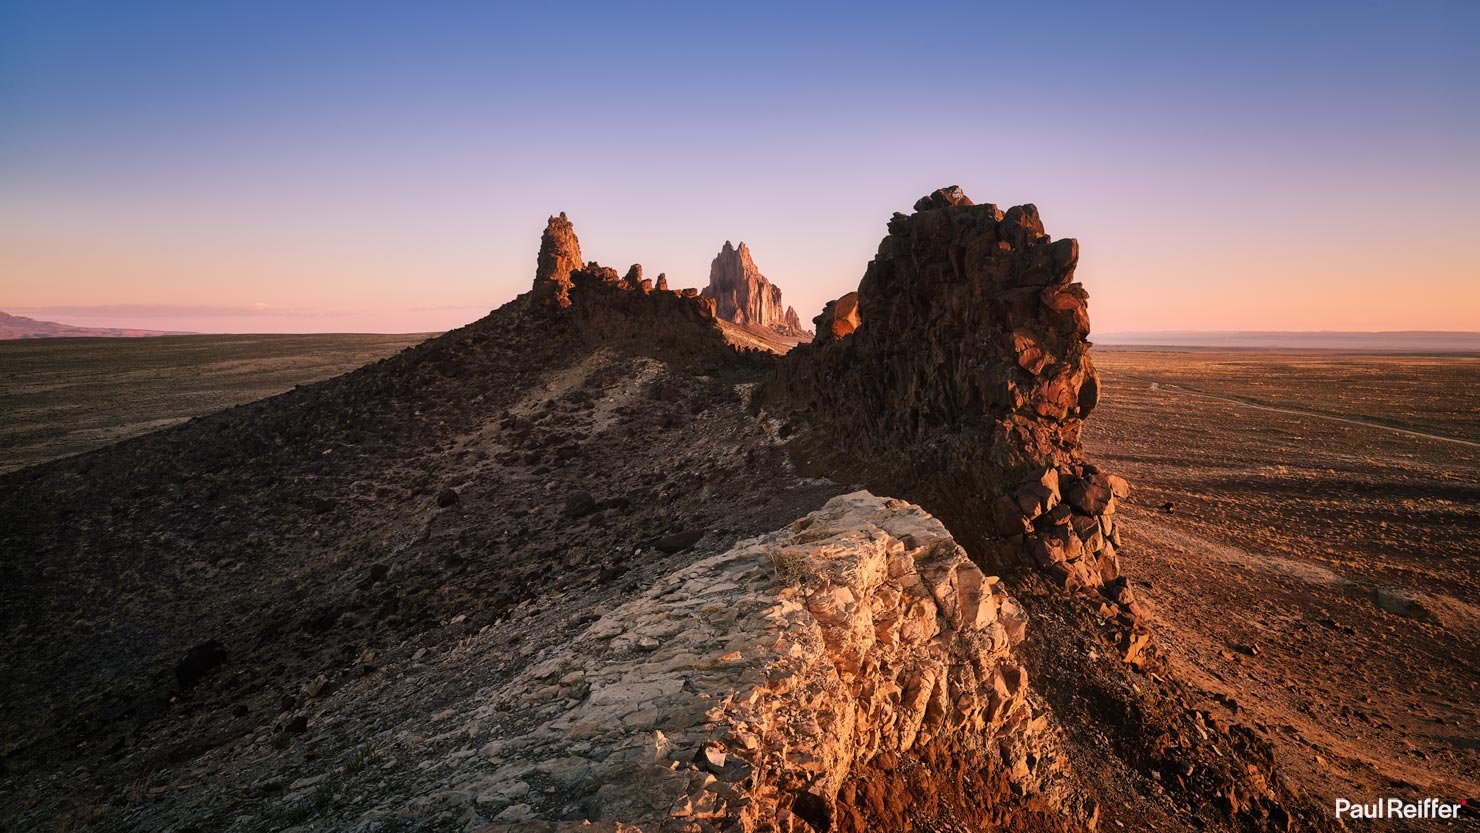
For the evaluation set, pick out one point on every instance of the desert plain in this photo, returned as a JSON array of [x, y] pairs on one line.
[[65, 396], [1314, 568]]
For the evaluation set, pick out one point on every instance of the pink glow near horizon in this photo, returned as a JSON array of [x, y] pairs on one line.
[[1335, 275], [1309, 171]]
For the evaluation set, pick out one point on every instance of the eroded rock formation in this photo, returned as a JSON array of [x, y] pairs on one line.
[[838, 318], [560, 255], [609, 307], [958, 370], [763, 689], [743, 296]]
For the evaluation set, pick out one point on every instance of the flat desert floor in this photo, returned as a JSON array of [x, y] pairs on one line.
[[65, 396], [1316, 572]]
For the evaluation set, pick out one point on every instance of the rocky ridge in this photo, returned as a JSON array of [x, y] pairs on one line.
[[470, 586]]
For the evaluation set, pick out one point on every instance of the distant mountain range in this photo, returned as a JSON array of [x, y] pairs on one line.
[[19, 326], [1395, 341]]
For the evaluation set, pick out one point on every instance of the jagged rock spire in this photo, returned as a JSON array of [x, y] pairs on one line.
[[742, 295], [560, 255]]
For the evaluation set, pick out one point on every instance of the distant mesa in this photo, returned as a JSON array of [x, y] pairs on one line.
[[743, 296], [18, 327]]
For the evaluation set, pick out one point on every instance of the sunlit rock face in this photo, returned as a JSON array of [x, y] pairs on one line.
[[742, 295], [763, 688], [560, 255]]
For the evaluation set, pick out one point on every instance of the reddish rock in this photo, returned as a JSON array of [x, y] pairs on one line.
[[971, 379], [1091, 495], [1038, 496], [560, 255], [743, 296], [838, 318], [1029, 355], [791, 320]]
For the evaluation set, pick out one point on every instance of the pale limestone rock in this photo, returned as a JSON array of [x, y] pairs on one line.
[[859, 630]]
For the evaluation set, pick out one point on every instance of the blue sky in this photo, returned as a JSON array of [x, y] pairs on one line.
[[389, 166]]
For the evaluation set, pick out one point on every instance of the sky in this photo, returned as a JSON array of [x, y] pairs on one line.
[[388, 167]]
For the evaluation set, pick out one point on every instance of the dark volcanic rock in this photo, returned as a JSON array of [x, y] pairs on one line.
[[960, 372], [579, 504], [678, 541], [198, 662]]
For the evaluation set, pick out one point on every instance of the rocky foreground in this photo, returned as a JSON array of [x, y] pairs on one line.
[[584, 564]]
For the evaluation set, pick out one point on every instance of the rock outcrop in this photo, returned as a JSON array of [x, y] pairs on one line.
[[791, 322], [959, 370], [762, 689], [610, 307], [958, 375], [743, 296], [560, 255], [838, 318]]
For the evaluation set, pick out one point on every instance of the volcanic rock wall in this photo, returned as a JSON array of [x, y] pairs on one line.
[[959, 375]]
